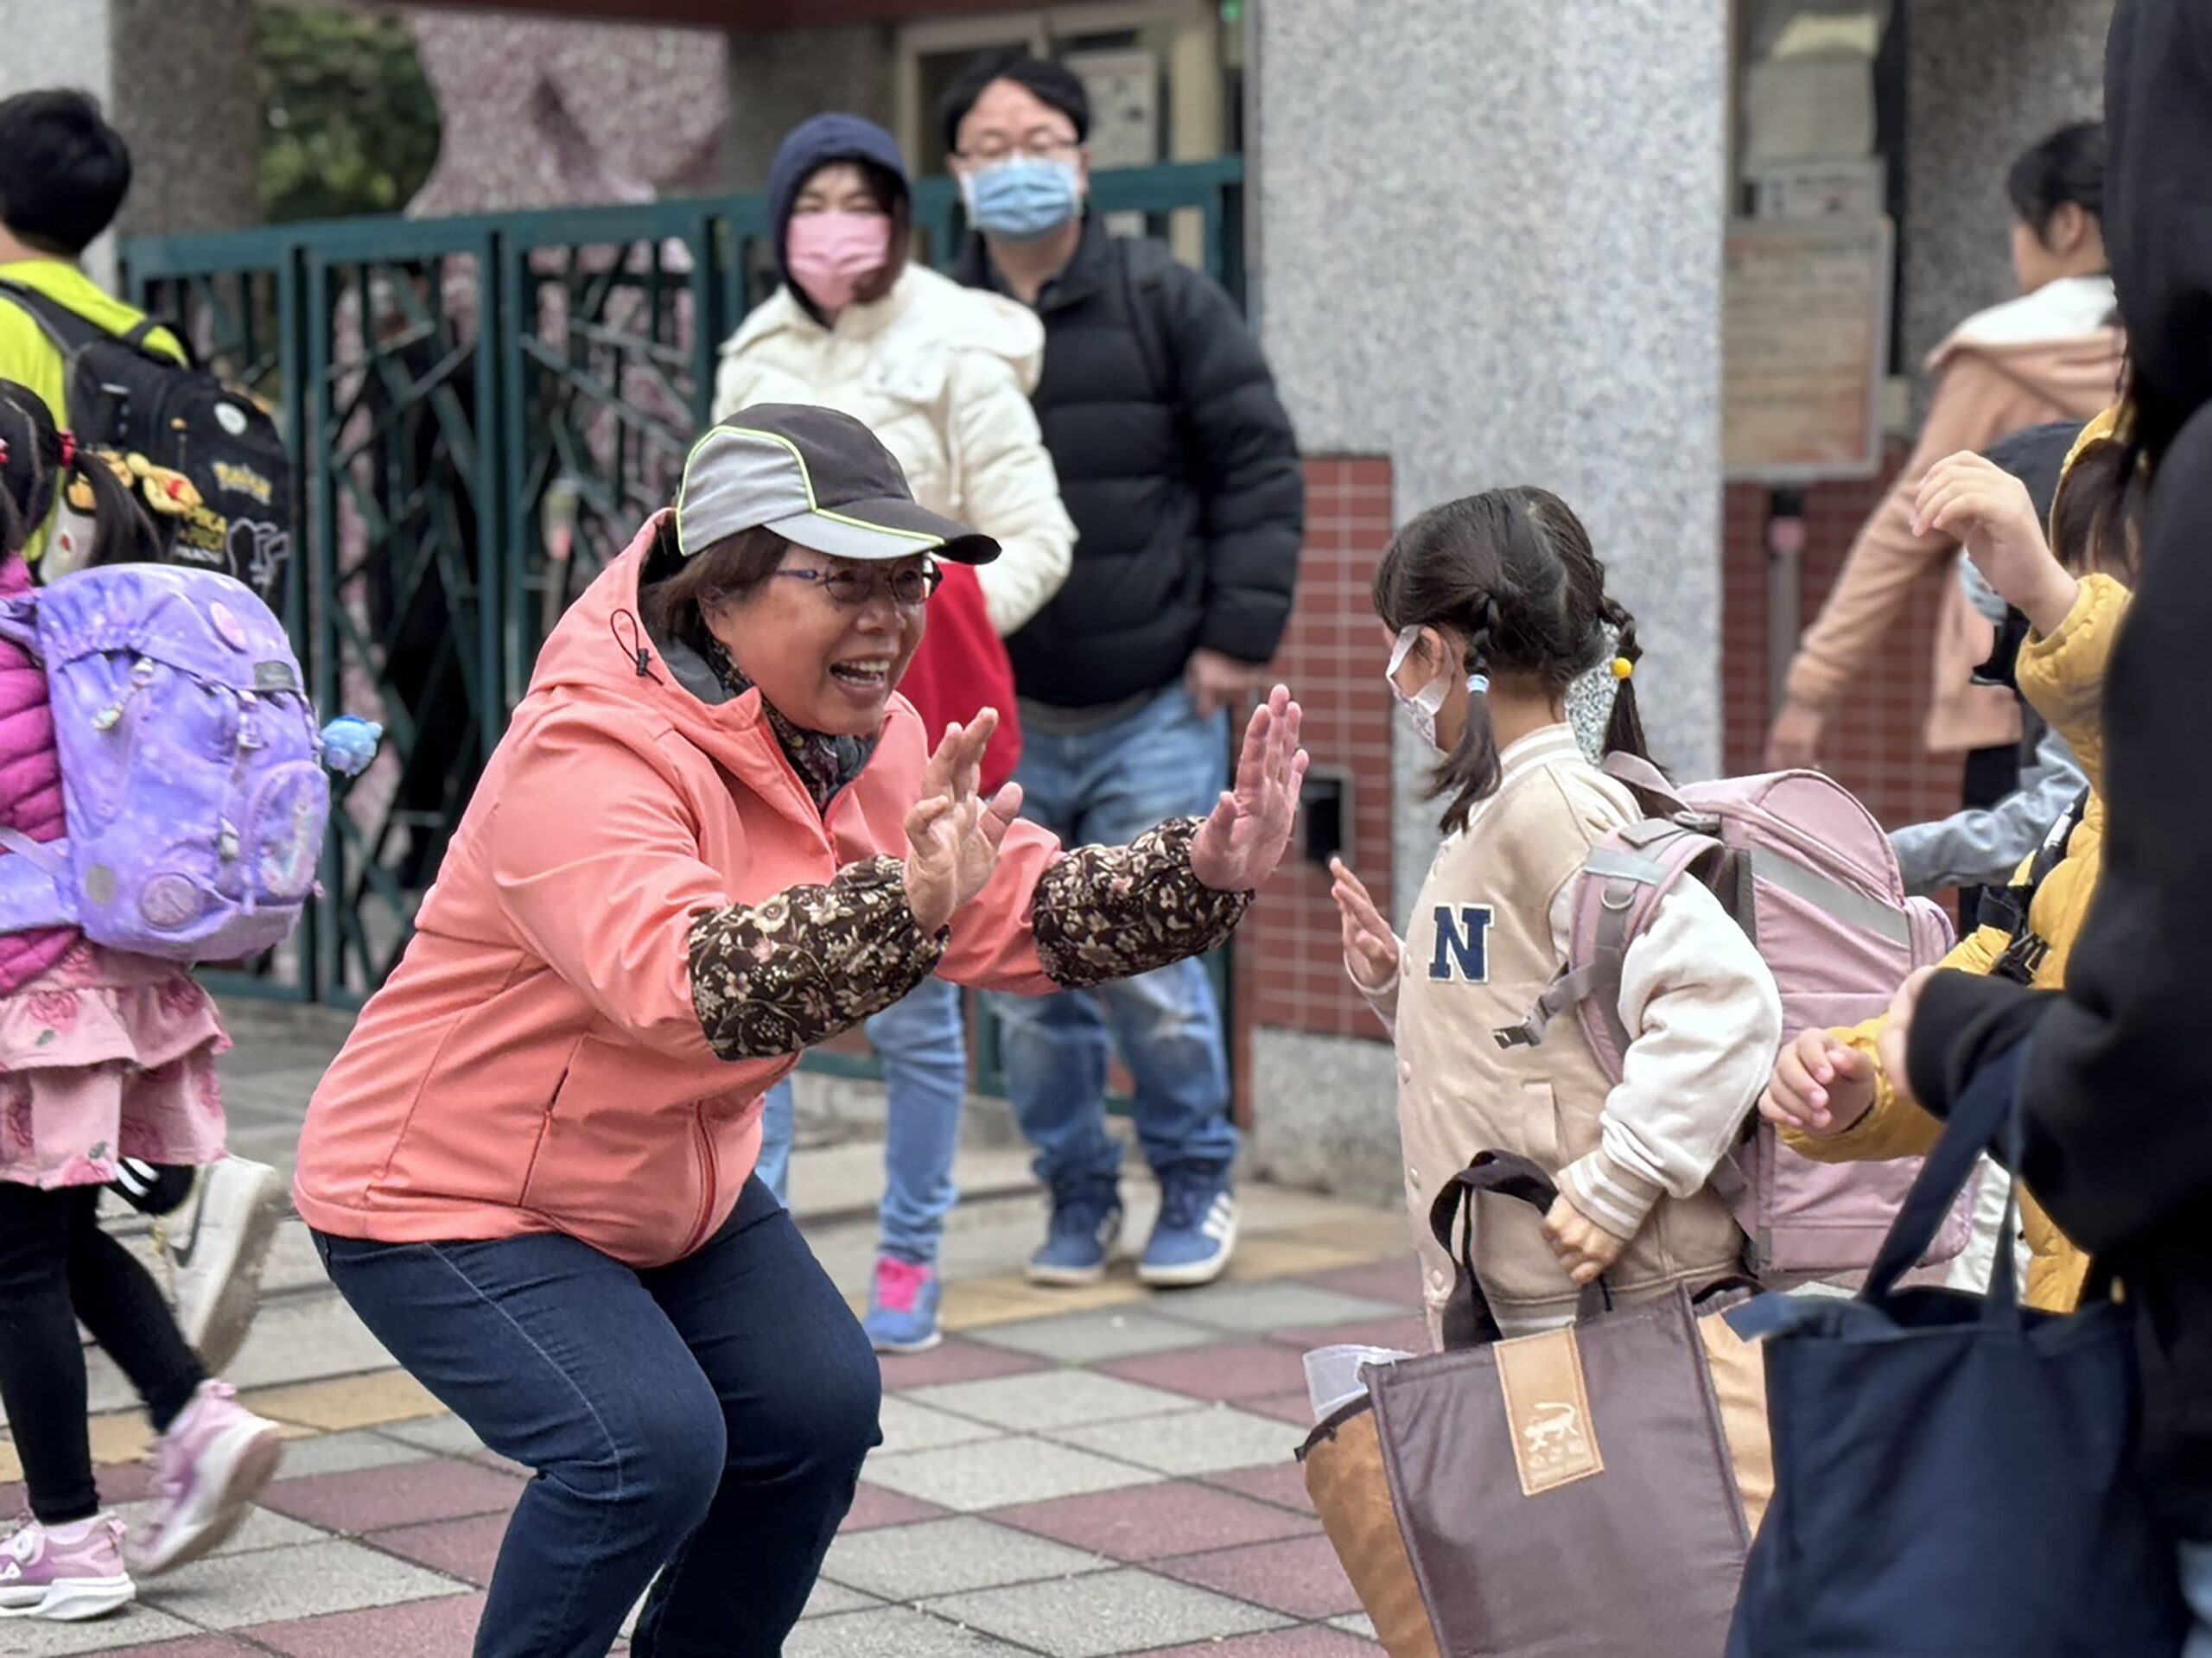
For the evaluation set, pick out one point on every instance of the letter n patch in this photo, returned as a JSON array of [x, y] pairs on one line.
[[1462, 943]]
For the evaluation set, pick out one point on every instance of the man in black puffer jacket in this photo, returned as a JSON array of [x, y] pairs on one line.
[[1178, 466]]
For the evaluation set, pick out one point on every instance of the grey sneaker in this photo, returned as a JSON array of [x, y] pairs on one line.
[[216, 1274]]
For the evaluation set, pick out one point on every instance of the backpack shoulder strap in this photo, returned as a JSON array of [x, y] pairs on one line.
[[2015, 910], [70, 333], [1622, 880]]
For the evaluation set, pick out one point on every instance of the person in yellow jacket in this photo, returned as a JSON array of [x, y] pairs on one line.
[[1834, 1093], [64, 172]]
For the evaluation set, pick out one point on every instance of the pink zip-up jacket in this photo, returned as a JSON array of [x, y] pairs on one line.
[[30, 782], [641, 921]]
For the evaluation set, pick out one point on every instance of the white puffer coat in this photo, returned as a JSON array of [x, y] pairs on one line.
[[941, 374]]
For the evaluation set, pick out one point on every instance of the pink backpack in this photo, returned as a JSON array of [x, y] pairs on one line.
[[1808, 875]]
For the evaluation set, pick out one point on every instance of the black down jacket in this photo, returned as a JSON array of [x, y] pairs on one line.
[[1177, 463]]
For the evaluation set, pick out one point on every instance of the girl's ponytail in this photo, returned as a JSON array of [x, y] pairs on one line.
[[122, 533], [41, 461], [1624, 728]]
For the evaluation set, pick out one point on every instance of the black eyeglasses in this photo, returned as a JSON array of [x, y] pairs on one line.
[[910, 587]]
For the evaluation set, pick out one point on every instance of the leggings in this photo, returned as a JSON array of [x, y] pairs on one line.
[[56, 1267]]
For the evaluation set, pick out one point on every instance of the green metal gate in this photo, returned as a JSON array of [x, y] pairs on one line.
[[484, 410]]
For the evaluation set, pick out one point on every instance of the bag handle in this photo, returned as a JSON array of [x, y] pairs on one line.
[[47, 860], [1468, 1320], [1988, 1110]]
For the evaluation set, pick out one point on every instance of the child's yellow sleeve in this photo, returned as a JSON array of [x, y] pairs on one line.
[[1893, 1127]]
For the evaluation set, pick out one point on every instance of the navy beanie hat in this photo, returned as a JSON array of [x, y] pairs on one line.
[[814, 144]]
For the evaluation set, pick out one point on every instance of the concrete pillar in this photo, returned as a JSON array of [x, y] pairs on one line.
[[1986, 79], [195, 157], [779, 78], [1489, 245]]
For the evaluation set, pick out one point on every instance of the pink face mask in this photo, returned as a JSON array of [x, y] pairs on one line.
[[831, 254]]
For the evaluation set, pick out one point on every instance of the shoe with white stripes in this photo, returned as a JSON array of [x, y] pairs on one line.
[[1196, 1234]]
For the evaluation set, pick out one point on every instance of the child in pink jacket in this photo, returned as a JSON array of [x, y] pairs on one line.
[[103, 1057]]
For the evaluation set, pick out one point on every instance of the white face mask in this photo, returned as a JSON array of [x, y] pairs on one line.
[[1427, 702]]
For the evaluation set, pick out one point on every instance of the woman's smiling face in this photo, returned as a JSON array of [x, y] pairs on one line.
[[826, 639]]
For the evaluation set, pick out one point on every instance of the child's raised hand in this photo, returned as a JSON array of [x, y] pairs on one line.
[[1979, 503], [1370, 946], [1583, 1246], [1821, 1086]]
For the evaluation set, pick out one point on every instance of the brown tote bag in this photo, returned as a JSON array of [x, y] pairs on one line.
[[1576, 1494]]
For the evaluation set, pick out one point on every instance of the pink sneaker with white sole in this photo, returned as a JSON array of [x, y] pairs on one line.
[[207, 1470], [64, 1574]]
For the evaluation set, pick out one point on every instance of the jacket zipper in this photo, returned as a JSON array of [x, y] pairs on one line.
[[709, 1180]]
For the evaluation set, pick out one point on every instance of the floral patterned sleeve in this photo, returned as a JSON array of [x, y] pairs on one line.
[[1110, 912], [797, 969]]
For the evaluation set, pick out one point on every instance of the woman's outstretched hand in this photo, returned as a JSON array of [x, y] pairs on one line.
[[952, 836], [1238, 847]]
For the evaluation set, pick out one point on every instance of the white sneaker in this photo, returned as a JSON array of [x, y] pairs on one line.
[[218, 1269]]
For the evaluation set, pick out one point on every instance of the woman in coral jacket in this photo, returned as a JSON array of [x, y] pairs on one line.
[[711, 838]]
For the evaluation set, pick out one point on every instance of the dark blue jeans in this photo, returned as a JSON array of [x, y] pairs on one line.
[[706, 1420]]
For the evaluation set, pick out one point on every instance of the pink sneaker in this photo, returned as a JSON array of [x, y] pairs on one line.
[[65, 1574], [207, 1470]]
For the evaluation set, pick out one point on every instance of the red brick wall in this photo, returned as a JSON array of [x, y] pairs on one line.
[[1873, 742], [1289, 961]]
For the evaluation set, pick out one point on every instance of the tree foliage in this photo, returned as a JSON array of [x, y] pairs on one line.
[[349, 121]]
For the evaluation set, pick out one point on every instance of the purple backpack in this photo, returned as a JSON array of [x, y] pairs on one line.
[[1805, 870], [190, 767]]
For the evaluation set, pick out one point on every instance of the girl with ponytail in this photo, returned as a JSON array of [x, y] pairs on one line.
[[1499, 606], [105, 1058]]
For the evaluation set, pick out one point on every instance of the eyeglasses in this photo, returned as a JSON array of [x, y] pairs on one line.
[[1039, 146], [910, 587]]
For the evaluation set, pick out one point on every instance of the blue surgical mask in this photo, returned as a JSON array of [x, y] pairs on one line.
[[1023, 198]]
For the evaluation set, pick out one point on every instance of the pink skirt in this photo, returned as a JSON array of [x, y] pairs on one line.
[[104, 1057]]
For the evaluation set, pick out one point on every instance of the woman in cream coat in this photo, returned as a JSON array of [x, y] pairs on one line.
[[941, 374]]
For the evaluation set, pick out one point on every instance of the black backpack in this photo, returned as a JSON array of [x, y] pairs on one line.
[[128, 400]]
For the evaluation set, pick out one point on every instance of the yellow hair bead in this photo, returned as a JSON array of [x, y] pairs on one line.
[[1623, 668]]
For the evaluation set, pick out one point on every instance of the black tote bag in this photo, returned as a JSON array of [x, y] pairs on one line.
[[1953, 1475]]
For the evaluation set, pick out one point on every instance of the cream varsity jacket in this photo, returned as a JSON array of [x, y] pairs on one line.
[[1489, 932]]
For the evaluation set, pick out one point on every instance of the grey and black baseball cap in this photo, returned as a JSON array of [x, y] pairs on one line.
[[817, 477]]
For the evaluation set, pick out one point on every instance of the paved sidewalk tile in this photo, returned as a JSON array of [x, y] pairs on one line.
[[376, 1499], [1088, 1338], [954, 1360], [997, 1472], [194, 1646], [1261, 1309], [344, 1453], [945, 1557], [908, 1425], [448, 1436], [1408, 1332], [1396, 1279], [832, 1599], [440, 1628], [1050, 1399], [1204, 1441], [1309, 1643], [892, 1632], [1282, 1483], [1243, 1370], [873, 1506], [352, 1401], [1300, 1576], [134, 1626], [1361, 1625], [231, 1591], [467, 1549], [1155, 1522], [1295, 1409], [1107, 1613]]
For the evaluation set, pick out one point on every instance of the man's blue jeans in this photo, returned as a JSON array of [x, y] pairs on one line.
[[1107, 787], [922, 1042]]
